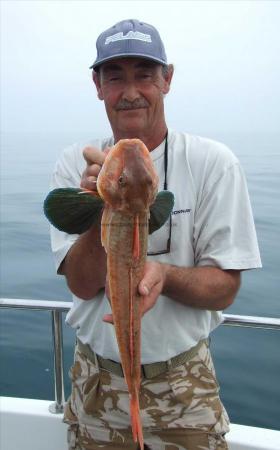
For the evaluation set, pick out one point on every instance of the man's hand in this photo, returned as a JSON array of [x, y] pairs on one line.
[[94, 158], [149, 288], [204, 287], [151, 285]]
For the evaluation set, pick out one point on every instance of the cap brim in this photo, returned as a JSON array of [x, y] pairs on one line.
[[130, 55]]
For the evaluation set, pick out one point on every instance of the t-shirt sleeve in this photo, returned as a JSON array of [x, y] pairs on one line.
[[224, 231], [66, 174]]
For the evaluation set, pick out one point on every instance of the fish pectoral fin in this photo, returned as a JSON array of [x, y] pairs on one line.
[[71, 212], [160, 210]]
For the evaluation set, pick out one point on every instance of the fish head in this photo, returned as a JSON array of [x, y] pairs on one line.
[[127, 180]]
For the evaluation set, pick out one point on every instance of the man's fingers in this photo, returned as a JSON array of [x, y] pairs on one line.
[[93, 170], [93, 155], [94, 158], [147, 303], [108, 318], [88, 183], [150, 287], [150, 279], [143, 288]]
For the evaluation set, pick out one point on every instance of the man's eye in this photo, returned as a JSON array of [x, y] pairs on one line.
[[113, 78], [145, 75]]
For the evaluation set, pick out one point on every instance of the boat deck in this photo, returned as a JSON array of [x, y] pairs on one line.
[[28, 425]]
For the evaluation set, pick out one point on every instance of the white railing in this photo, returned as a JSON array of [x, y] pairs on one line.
[[57, 308]]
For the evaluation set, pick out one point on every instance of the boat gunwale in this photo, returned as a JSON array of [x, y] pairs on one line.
[[58, 307]]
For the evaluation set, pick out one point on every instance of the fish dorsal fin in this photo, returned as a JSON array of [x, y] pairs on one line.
[[160, 210], [72, 210]]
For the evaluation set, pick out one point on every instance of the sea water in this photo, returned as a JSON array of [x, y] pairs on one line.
[[247, 360]]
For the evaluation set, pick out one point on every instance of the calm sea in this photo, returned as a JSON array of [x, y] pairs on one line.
[[247, 360]]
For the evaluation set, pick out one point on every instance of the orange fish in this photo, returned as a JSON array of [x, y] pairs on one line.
[[128, 184], [131, 209]]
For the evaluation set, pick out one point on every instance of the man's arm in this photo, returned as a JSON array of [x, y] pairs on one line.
[[199, 287], [85, 265], [202, 287]]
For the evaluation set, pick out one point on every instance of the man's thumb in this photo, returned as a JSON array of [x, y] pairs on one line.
[[143, 288]]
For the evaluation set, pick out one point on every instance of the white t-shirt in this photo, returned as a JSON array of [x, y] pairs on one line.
[[212, 225]]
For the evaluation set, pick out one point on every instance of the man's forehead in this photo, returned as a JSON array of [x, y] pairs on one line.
[[122, 63]]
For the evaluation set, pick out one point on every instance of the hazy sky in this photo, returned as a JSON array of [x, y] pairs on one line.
[[226, 56]]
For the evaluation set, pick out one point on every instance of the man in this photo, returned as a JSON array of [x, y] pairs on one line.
[[192, 272]]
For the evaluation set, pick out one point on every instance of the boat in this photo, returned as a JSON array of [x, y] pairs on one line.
[[30, 424]]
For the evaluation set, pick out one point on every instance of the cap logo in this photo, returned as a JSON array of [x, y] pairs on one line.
[[130, 35]]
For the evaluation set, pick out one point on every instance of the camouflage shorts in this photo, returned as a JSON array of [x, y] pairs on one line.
[[180, 409]]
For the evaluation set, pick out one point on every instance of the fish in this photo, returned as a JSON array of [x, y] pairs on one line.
[[128, 184], [130, 208]]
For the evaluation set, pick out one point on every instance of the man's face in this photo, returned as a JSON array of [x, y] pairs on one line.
[[133, 90]]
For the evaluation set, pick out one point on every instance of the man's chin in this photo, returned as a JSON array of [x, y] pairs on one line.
[[132, 127]]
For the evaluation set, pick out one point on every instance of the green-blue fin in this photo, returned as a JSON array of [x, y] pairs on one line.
[[72, 210], [160, 210]]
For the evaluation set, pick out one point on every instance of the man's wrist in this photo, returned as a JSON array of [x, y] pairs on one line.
[[166, 269]]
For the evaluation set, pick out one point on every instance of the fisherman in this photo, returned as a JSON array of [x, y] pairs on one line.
[[192, 271]]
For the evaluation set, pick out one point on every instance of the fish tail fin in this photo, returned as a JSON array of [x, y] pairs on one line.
[[135, 419]]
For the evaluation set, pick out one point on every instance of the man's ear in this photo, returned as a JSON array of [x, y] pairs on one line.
[[168, 78], [96, 80]]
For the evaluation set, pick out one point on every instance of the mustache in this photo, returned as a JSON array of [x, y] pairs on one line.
[[138, 103]]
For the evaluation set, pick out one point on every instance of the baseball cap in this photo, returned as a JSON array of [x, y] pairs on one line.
[[130, 38]]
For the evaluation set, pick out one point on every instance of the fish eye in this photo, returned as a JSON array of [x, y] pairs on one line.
[[121, 180]]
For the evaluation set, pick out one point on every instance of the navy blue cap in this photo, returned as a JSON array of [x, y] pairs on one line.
[[130, 38]]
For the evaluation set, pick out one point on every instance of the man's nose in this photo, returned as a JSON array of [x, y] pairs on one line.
[[130, 92]]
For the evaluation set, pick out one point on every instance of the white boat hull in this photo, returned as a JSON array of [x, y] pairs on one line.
[[27, 424]]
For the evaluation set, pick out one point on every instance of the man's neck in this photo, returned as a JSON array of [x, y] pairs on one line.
[[151, 140]]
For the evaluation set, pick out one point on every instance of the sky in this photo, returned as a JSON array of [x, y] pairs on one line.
[[225, 53]]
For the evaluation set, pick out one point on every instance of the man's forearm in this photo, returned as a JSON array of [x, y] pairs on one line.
[[85, 265], [201, 287]]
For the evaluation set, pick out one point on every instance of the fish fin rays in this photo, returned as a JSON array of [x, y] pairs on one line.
[[71, 212], [160, 210], [137, 431]]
